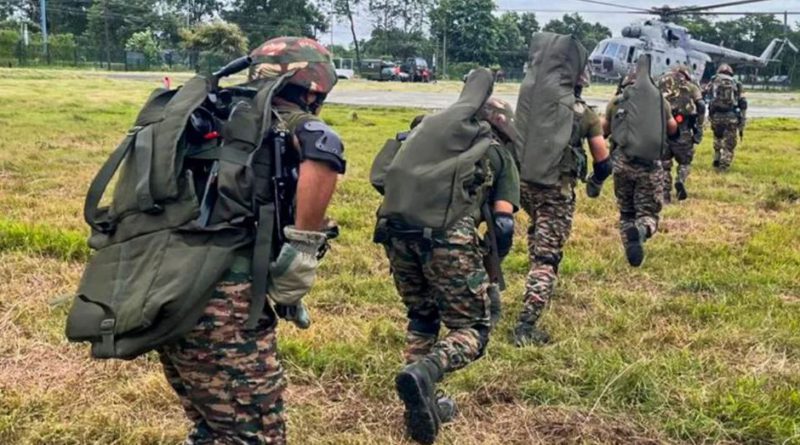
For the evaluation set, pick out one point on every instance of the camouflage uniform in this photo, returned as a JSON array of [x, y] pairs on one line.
[[686, 98], [228, 378], [726, 122], [551, 209], [637, 186], [444, 281]]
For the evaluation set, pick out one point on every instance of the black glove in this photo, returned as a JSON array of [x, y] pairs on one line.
[[602, 170], [504, 232]]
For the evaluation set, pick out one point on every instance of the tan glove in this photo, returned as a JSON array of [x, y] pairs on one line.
[[293, 273]]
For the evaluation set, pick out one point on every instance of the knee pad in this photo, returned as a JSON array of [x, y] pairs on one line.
[[719, 131], [424, 325], [550, 260], [483, 338]]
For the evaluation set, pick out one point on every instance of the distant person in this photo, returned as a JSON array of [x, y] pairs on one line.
[[689, 109], [428, 223], [727, 112], [553, 122], [638, 122]]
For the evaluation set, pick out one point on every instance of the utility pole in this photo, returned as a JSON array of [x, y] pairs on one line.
[[43, 20], [444, 50], [107, 33]]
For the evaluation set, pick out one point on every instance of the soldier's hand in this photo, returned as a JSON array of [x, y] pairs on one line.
[[297, 314], [601, 171], [504, 231], [593, 187], [293, 273]]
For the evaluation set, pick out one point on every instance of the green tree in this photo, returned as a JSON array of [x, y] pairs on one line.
[[214, 44], [347, 9], [112, 22], [261, 20], [588, 34], [512, 43], [398, 44], [470, 29], [145, 43]]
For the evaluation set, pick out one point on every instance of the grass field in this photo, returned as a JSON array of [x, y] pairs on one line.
[[700, 346]]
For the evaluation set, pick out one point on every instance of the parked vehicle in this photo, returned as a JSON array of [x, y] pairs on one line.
[[377, 69], [344, 68], [417, 69]]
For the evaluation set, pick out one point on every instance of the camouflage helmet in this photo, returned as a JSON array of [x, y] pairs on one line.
[[311, 62], [725, 69], [500, 114], [683, 70]]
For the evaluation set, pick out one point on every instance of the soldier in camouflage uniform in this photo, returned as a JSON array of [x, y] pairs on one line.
[[551, 209], [689, 109], [637, 186], [227, 377], [728, 114], [442, 280]]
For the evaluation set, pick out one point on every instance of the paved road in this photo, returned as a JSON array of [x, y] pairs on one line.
[[430, 100], [442, 100]]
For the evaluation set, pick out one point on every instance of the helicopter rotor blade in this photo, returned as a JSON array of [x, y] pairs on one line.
[[692, 9], [629, 8]]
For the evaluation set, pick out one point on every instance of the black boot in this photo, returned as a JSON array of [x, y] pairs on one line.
[[680, 191], [634, 245], [416, 386], [527, 334], [447, 408]]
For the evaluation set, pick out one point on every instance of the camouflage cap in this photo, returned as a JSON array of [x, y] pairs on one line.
[[683, 70], [310, 61], [725, 69], [500, 114]]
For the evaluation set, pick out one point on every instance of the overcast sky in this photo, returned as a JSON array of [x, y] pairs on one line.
[[548, 9]]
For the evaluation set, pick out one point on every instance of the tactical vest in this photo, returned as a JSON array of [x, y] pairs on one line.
[[724, 93], [639, 124], [194, 188]]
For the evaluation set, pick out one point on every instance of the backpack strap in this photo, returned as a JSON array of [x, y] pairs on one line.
[[262, 254], [91, 213], [143, 156]]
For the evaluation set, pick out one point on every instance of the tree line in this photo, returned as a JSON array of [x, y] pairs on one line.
[[465, 33]]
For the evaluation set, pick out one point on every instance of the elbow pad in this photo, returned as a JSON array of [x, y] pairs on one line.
[[504, 232], [701, 107], [319, 142], [742, 103]]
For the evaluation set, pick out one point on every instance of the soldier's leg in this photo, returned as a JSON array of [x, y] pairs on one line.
[[684, 155], [631, 234], [719, 142], [200, 433], [647, 200], [730, 139], [550, 229], [460, 283], [666, 175], [422, 331], [232, 375]]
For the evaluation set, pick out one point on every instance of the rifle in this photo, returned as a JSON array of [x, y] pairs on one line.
[[283, 188], [741, 122], [492, 260]]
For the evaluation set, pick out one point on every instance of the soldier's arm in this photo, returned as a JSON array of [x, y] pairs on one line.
[[593, 131], [505, 190]]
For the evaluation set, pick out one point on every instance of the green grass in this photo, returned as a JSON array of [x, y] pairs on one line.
[[700, 346]]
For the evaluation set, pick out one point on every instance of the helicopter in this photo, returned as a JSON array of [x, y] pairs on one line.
[[670, 44]]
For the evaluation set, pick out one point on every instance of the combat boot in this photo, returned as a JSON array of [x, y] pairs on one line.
[[635, 236], [527, 334], [416, 386], [447, 408], [680, 191]]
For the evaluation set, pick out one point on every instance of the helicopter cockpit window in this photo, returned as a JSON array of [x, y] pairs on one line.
[[631, 52], [621, 52], [611, 49]]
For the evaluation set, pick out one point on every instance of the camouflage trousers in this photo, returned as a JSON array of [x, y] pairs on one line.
[[637, 186], [726, 137], [443, 282], [551, 209], [229, 379], [682, 151]]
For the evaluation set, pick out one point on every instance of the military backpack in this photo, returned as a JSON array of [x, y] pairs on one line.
[[195, 187], [433, 179], [724, 93]]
